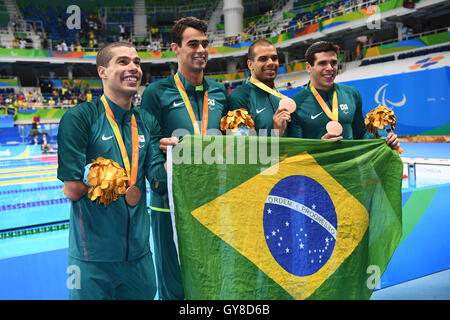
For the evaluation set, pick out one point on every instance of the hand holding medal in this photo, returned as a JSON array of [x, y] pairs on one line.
[[287, 104], [380, 121], [237, 123]]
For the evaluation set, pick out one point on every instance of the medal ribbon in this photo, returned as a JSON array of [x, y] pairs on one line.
[[266, 88], [332, 115], [132, 173], [188, 105]]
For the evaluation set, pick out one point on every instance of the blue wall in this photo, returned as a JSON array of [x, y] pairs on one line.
[[426, 97]]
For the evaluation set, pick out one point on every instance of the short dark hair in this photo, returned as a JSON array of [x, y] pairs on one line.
[[104, 55], [321, 46], [260, 42], [183, 23]]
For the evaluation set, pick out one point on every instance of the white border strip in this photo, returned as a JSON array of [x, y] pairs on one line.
[[170, 195]]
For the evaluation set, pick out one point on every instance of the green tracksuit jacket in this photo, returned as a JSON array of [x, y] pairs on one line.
[[260, 104], [309, 120], [118, 232], [163, 100]]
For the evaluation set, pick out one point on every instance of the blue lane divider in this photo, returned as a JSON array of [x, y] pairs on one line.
[[33, 204], [30, 189]]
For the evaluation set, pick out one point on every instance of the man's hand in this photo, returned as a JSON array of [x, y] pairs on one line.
[[280, 119], [392, 140], [331, 136], [164, 142]]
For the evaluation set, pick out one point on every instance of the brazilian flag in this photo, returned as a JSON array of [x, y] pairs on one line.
[[269, 218]]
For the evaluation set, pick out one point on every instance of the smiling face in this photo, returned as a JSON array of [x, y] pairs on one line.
[[122, 75], [192, 54], [324, 70], [264, 64]]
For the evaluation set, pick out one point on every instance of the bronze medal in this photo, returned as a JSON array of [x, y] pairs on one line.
[[132, 196], [288, 104], [334, 127]]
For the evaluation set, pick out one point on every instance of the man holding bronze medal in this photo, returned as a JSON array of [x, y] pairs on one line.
[[184, 103], [107, 148], [259, 95], [328, 110]]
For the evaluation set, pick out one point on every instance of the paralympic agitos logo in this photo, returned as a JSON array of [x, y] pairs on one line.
[[380, 98]]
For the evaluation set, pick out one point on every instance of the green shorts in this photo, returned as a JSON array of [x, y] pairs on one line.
[[128, 280]]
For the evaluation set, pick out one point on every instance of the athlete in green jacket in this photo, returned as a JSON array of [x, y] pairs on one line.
[[258, 94], [109, 248], [323, 101], [178, 116], [309, 120]]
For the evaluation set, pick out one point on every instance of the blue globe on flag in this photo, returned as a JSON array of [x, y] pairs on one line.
[[300, 225]]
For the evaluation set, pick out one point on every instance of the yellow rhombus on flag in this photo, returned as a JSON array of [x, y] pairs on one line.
[[237, 218]]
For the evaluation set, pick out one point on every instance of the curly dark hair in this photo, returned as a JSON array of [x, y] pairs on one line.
[[321, 46], [183, 23]]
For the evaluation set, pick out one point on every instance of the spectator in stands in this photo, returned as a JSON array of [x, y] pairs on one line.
[[15, 43], [36, 95], [299, 25], [259, 94], [21, 96], [121, 32], [81, 97], [163, 100], [113, 253], [88, 95], [9, 99], [313, 103], [340, 8], [66, 102], [29, 97], [73, 99], [64, 90], [51, 102]]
